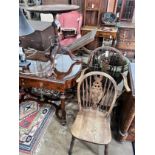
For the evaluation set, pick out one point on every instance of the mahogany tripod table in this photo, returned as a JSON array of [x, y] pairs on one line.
[[53, 9]]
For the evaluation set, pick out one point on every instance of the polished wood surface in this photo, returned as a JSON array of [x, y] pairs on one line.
[[66, 70], [63, 64], [55, 8]]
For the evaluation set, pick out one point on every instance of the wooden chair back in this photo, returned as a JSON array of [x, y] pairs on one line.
[[97, 91], [110, 60]]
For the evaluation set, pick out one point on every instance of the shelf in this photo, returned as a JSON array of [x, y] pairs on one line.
[[92, 9], [92, 12]]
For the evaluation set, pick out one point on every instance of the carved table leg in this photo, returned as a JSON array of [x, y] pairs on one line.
[[22, 93], [71, 146], [106, 149], [25, 94], [133, 146], [63, 112], [113, 42]]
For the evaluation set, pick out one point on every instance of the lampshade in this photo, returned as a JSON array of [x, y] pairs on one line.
[[24, 27]]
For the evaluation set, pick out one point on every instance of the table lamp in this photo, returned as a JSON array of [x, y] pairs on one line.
[[24, 29]]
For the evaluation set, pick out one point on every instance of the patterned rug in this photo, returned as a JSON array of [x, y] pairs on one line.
[[33, 121]]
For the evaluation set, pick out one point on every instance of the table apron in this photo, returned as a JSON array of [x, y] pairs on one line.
[[51, 85], [102, 34], [28, 83]]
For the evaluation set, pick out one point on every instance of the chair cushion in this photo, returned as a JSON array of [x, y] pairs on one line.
[[92, 126]]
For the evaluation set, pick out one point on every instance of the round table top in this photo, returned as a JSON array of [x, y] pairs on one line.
[[55, 8]]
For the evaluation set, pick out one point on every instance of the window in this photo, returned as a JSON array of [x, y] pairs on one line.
[[126, 9]]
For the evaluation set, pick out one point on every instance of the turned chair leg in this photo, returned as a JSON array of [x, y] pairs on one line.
[[71, 145], [106, 149]]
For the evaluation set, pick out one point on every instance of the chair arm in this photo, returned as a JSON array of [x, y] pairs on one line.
[[78, 36], [82, 74], [125, 82], [86, 50]]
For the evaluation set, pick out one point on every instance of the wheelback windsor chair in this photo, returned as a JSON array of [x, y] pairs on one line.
[[112, 61], [97, 93]]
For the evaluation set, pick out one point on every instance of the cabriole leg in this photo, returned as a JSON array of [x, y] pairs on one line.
[[71, 145], [106, 149]]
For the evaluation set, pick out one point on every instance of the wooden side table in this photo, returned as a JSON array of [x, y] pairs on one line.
[[102, 32]]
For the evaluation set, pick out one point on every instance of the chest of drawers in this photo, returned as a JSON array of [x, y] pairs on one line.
[[126, 39]]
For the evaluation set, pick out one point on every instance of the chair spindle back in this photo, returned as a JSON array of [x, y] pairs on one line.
[[109, 60], [97, 91]]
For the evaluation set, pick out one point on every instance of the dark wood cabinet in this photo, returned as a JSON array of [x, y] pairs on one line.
[[93, 10], [127, 110], [126, 39]]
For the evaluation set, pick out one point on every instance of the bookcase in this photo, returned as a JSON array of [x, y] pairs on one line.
[[92, 12]]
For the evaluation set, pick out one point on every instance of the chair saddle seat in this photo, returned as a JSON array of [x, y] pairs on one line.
[[92, 126]]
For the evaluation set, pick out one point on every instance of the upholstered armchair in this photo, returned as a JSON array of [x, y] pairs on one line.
[[70, 25]]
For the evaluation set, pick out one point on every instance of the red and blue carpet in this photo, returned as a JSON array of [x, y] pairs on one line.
[[33, 121]]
